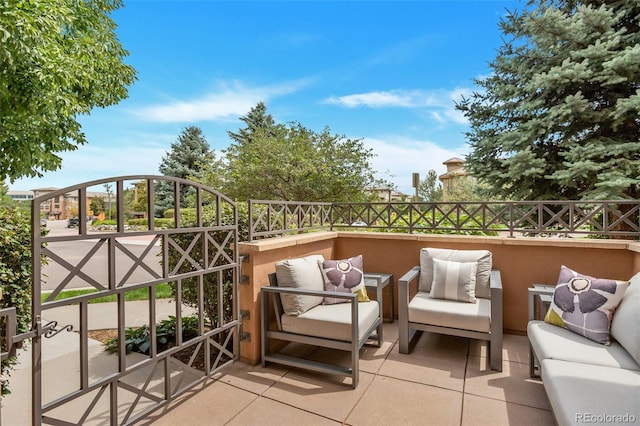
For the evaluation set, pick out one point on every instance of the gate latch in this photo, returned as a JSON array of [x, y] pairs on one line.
[[13, 341]]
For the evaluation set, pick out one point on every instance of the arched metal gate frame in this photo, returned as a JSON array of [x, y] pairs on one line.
[[194, 251]]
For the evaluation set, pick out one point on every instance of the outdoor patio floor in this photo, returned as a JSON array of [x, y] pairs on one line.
[[444, 381]]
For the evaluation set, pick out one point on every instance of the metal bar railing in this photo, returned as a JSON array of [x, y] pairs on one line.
[[603, 219]]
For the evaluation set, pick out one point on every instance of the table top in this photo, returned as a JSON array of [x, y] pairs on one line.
[[374, 279]]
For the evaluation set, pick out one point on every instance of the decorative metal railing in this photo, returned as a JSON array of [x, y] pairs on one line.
[[275, 218], [603, 219]]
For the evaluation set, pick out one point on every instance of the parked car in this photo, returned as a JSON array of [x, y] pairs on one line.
[[72, 222]]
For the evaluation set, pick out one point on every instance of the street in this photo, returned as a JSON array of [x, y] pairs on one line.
[[96, 268]]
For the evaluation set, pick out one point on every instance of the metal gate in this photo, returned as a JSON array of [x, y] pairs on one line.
[[171, 243]]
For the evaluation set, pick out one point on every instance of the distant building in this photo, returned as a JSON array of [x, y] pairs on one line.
[[20, 196], [454, 177], [63, 207], [387, 194]]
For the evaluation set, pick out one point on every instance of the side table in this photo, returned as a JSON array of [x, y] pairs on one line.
[[376, 281], [540, 297]]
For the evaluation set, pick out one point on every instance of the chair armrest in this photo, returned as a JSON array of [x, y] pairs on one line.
[[309, 292], [495, 281], [409, 276], [495, 288], [352, 298], [403, 295]]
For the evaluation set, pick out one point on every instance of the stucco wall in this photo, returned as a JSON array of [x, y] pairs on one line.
[[522, 262]]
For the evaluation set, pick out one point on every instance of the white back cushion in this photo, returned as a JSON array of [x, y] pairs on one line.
[[483, 273], [625, 325], [302, 272]]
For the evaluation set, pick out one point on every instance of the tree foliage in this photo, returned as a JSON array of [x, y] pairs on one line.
[[257, 119], [58, 59], [188, 156], [430, 188], [15, 271], [290, 162], [559, 117]]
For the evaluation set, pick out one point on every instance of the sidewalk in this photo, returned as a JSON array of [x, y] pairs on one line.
[[61, 360]]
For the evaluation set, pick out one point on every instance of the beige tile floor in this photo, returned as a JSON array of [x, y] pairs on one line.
[[444, 381]]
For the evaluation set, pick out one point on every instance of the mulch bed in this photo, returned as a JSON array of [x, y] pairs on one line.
[[184, 355]]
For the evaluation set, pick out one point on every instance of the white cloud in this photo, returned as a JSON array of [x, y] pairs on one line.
[[440, 103], [400, 157], [229, 100], [94, 162]]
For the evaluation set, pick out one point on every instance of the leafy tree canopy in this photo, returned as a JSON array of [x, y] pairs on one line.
[[290, 162], [58, 59], [430, 188], [559, 117]]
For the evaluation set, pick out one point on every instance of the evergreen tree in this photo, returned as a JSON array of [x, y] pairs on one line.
[[257, 119], [559, 117], [187, 158]]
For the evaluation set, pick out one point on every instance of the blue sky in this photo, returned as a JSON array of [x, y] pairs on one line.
[[384, 71]]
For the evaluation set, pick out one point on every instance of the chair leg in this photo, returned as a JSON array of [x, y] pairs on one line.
[[355, 365], [495, 353]]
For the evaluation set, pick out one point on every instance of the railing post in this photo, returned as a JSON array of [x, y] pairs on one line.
[[511, 224]]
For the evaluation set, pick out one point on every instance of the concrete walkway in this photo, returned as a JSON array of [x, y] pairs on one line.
[[444, 381], [61, 361]]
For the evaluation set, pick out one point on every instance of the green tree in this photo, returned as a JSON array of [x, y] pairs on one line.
[[15, 272], [256, 119], [430, 189], [97, 205], [558, 116], [188, 156], [291, 162], [58, 59]]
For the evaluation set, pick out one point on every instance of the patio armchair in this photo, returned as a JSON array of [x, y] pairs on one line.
[[307, 313], [458, 294]]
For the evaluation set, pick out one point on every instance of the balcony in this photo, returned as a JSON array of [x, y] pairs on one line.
[[444, 380]]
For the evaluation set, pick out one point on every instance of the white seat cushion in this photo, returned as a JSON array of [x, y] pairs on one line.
[[552, 342], [332, 321], [578, 391], [448, 313]]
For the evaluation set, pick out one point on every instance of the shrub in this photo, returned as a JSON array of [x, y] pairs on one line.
[[190, 285], [139, 340], [15, 272]]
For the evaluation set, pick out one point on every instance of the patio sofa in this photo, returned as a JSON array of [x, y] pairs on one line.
[[586, 381]]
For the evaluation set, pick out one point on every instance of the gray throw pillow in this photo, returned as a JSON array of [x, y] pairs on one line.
[[454, 281]]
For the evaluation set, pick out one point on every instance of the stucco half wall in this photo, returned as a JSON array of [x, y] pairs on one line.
[[522, 262]]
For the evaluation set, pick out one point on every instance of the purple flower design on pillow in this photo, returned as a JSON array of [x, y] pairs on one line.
[[585, 304], [344, 274], [589, 300]]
